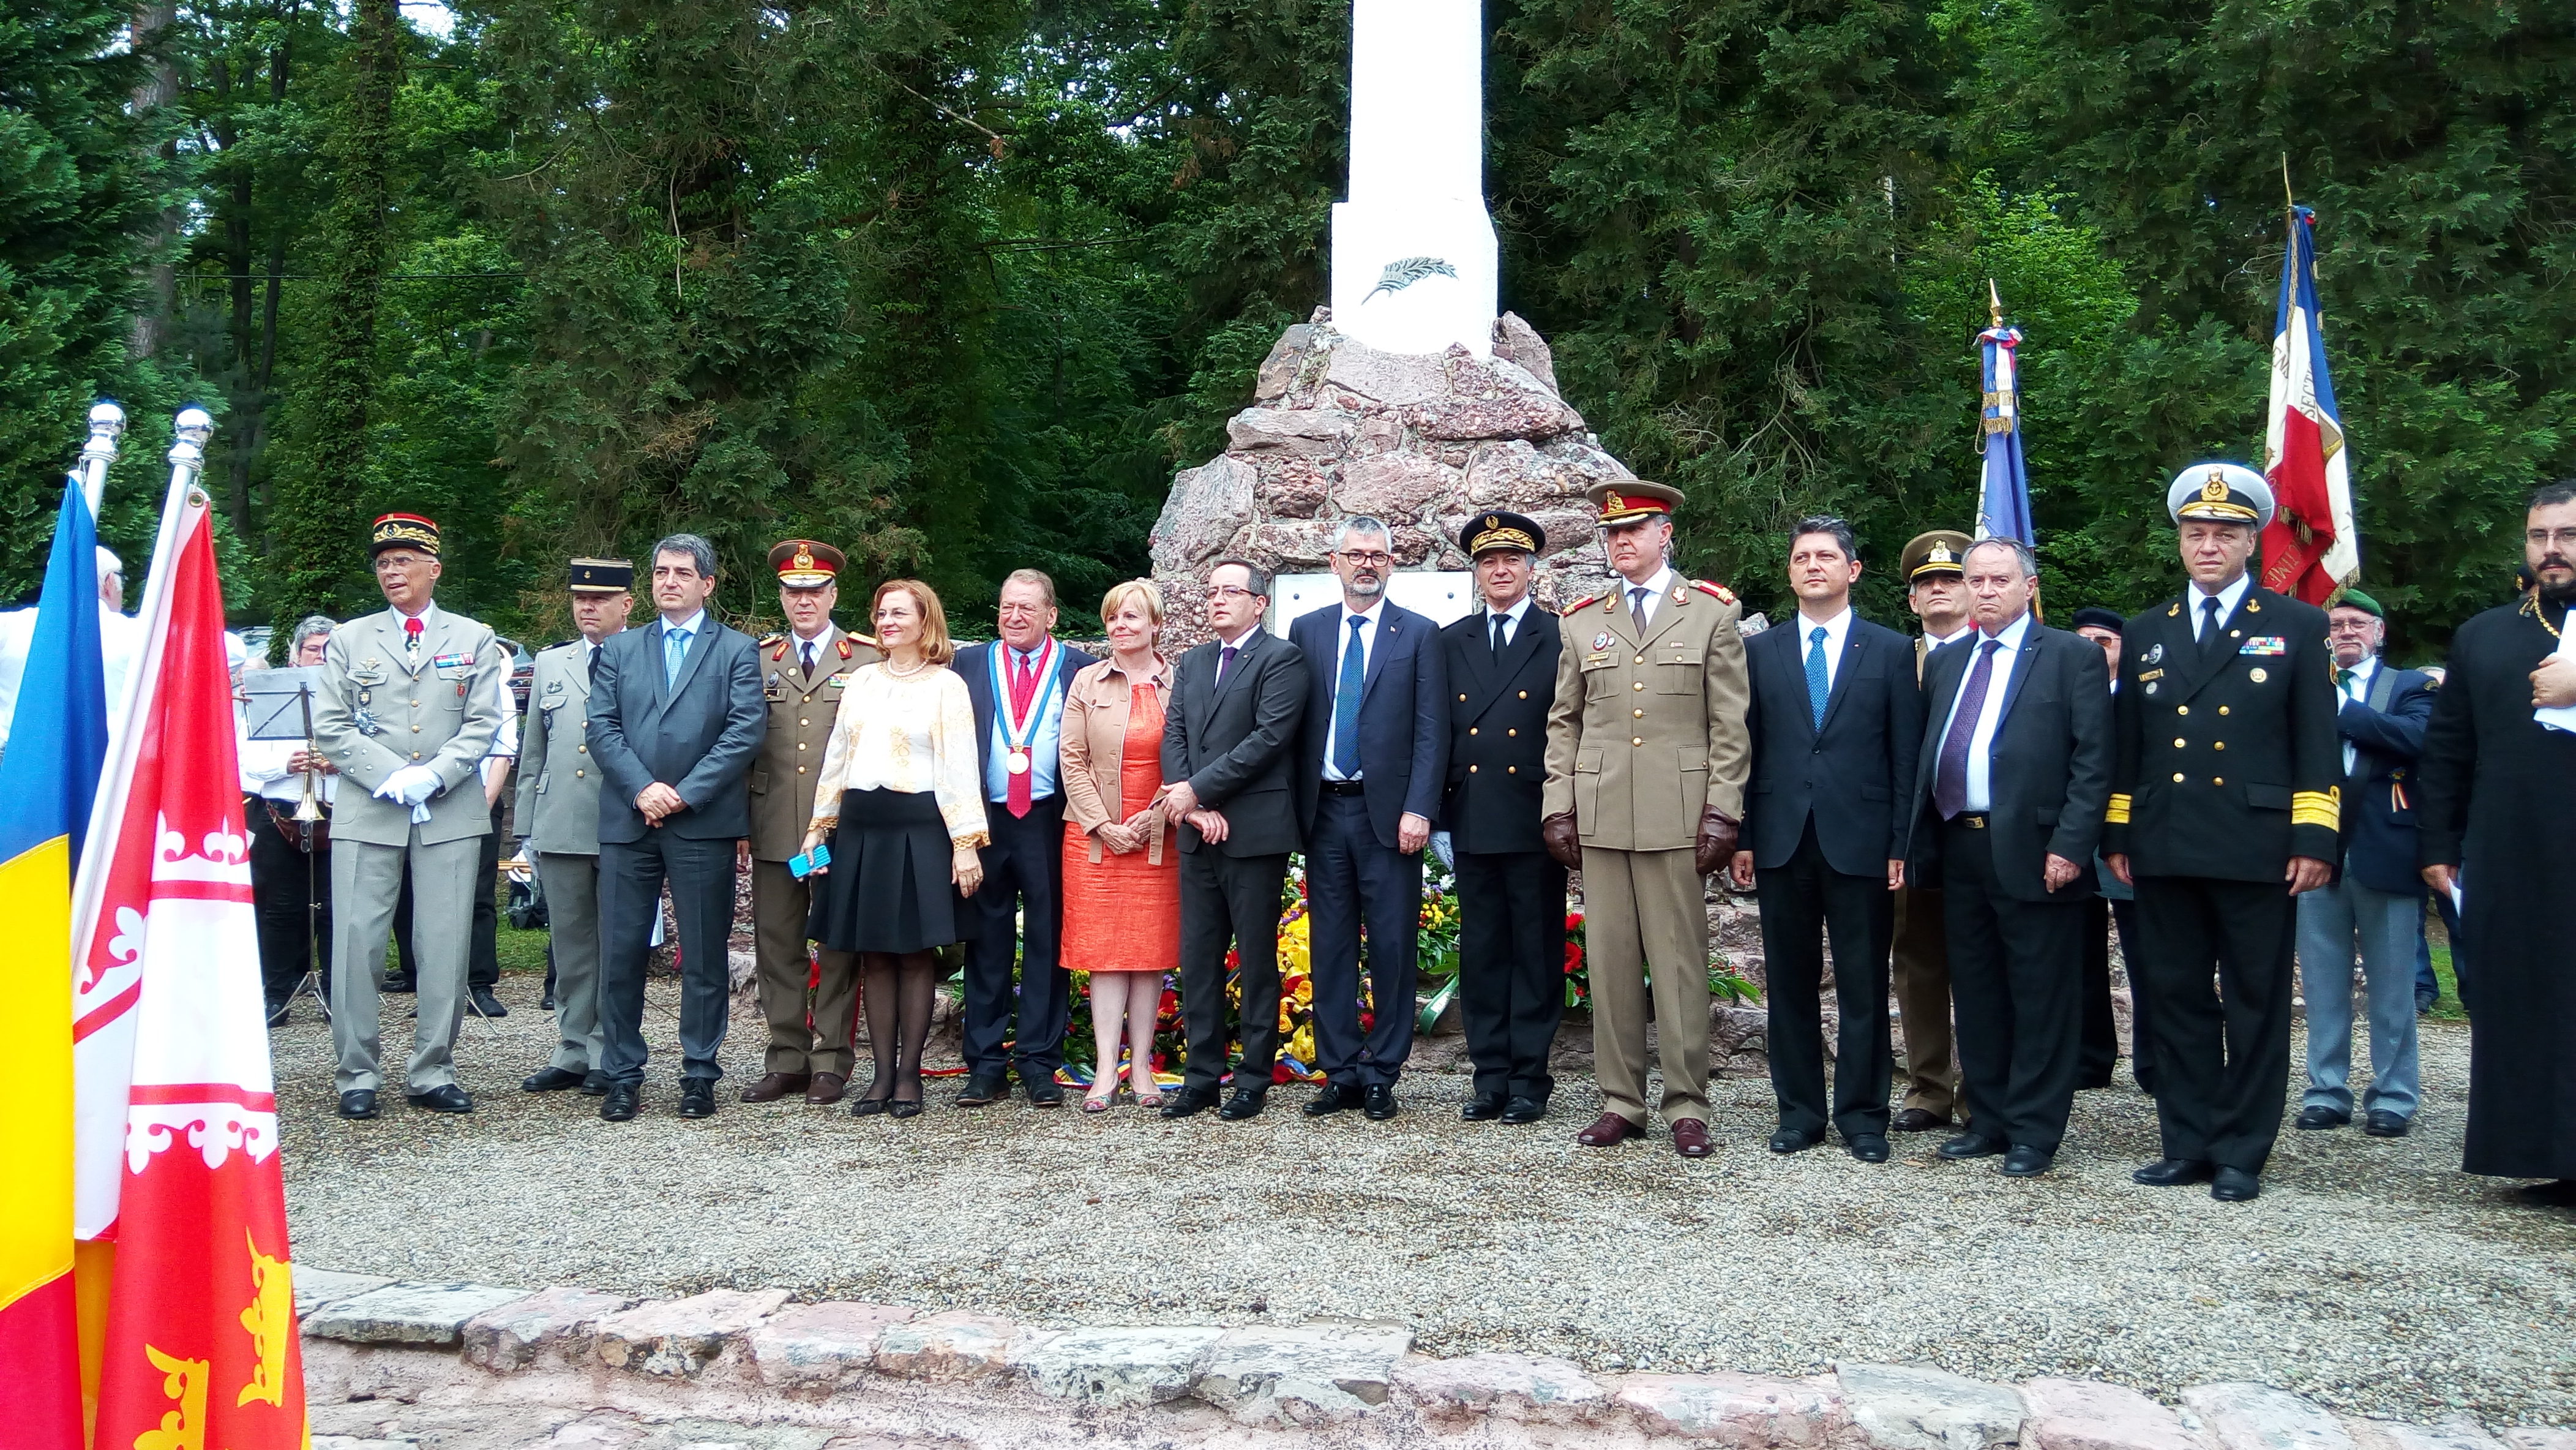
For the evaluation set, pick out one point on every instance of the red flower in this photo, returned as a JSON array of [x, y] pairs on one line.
[[1574, 921], [1573, 959]]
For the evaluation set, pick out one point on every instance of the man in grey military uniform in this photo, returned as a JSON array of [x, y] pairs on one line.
[[408, 708], [1647, 757], [802, 673], [557, 818]]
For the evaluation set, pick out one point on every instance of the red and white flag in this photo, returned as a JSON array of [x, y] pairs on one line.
[[2312, 546], [176, 1109]]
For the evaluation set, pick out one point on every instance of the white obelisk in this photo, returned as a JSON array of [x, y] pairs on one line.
[[1413, 248]]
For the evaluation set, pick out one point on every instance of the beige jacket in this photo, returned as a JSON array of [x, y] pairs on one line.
[[1646, 730], [1094, 751]]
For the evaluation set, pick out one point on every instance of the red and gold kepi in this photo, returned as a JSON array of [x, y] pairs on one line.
[[1630, 499], [403, 531], [806, 564], [602, 576], [1501, 529]]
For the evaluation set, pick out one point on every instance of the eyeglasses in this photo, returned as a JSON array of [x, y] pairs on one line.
[[2553, 538], [1232, 591], [1377, 557]]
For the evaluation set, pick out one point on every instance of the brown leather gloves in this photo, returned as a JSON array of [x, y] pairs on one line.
[[1563, 841], [1716, 844]]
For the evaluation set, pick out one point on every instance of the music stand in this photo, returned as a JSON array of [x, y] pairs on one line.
[[278, 705]]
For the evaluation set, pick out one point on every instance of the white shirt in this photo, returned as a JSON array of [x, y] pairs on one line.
[[263, 766], [1654, 588], [1939, 640], [2357, 690], [692, 624], [1981, 743], [1367, 632], [1837, 630], [505, 741], [1235, 644], [809, 652], [1511, 618], [2228, 599]]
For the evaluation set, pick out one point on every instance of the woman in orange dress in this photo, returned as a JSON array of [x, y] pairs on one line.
[[1122, 870]]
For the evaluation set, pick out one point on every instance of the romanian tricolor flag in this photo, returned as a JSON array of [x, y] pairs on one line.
[[47, 778]]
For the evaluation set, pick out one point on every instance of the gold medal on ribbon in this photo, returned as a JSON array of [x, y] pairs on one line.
[[1017, 762]]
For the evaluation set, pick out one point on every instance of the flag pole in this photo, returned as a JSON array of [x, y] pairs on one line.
[[106, 426]]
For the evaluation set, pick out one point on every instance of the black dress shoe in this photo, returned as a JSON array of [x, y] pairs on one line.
[[2171, 1173], [1188, 1102], [2384, 1124], [1482, 1108], [1971, 1145], [551, 1079], [405, 984], [619, 1105], [2318, 1119], [1868, 1147], [594, 1084], [1044, 1092], [1795, 1140], [546, 1003], [2234, 1185], [487, 1004], [697, 1097], [1246, 1103], [1919, 1120], [902, 1108], [983, 1091], [280, 1013], [1332, 1098], [1381, 1102], [358, 1103], [445, 1098], [1524, 1110], [2556, 1193], [2025, 1161]]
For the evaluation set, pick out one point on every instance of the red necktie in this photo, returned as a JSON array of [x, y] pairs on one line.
[[1024, 689]]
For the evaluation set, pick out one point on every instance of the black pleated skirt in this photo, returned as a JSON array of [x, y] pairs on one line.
[[888, 887]]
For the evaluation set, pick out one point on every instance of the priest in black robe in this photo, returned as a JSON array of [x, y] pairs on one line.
[[2499, 802]]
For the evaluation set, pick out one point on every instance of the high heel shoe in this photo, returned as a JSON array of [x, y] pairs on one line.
[[866, 1107], [902, 1109]]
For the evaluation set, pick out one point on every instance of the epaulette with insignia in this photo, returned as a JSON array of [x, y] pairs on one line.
[[1578, 604], [1718, 592], [767, 640]]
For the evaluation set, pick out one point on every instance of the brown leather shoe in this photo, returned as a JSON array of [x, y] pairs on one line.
[[827, 1087], [1919, 1120], [1609, 1129], [1690, 1138], [774, 1086]]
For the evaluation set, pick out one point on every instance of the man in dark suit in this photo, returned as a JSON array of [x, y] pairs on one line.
[[1501, 663], [676, 720], [2375, 906], [1230, 750], [2005, 813], [1835, 722], [1936, 590], [1372, 757], [1018, 688], [2224, 807]]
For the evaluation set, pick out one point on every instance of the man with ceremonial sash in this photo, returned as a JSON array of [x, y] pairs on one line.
[[1017, 685], [2224, 808]]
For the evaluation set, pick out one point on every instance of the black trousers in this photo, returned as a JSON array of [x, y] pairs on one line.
[[291, 893], [2102, 915], [2219, 958], [1804, 902], [1230, 901], [2017, 975], [1021, 904], [631, 874], [483, 946], [1511, 968], [1351, 878]]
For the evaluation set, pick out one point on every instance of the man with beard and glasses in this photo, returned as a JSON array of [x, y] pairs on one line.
[[2499, 784]]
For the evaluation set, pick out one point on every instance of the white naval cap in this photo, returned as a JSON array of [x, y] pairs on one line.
[[2226, 493]]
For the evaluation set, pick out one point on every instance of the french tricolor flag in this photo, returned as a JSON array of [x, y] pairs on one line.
[[2311, 548]]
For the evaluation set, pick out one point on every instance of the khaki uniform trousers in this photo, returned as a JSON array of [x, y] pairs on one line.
[[572, 924], [1645, 913], [366, 882], [780, 905], [1919, 973]]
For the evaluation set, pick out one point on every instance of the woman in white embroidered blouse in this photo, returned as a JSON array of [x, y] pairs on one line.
[[901, 805]]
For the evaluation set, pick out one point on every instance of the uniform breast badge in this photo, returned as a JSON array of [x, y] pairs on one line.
[[1601, 640], [366, 722], [2257, 674], [2154, 655]]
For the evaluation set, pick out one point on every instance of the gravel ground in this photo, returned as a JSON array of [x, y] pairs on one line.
[[2371, 1275]]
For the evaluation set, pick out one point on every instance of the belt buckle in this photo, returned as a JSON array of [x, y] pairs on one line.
[[1974, 822]]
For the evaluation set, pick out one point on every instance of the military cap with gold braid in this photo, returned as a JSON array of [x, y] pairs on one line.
[[1630, 499], [1501, 529], [805, 564], [403, 531], [1933, 553], [602, 576], [2224, 493]]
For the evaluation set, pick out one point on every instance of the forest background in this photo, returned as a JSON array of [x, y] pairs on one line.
[[959, 284]]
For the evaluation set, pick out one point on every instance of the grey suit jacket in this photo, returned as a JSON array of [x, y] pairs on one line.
[[699, 734], [1235, 741], [382, 708], [558, 803]]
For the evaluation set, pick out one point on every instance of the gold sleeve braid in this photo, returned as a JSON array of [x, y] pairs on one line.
[[2317, 808], [2117, 812]]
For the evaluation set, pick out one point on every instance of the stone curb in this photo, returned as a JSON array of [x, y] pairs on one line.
[[1323, 1377]]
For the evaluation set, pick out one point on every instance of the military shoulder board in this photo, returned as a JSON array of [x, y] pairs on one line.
[[1718, 592], [1578, 605]]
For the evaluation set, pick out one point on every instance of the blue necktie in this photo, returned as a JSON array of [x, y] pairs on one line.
[[1816, 687], [1346, 705], [675, 652], [1950, 777]]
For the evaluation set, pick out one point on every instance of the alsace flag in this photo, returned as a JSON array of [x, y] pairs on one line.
[[2311, 547], [177, 1111], [57, 740], [2003, 500]]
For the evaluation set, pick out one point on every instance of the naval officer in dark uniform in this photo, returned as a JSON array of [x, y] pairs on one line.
[[2225, 805], [1511, 893]]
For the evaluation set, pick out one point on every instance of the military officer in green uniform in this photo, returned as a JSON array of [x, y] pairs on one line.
[[1934, 564], [802, 673], [557, 817], [409, 703], [1647, 755], [2225, 806]]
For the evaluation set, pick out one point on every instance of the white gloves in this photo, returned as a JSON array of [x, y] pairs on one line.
[[412, 785]]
